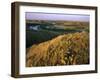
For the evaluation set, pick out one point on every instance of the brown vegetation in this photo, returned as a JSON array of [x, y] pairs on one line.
[[67, 49]]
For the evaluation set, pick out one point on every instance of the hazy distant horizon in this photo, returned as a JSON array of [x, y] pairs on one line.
[[63, 17]]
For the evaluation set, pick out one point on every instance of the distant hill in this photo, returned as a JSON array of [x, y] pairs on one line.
[[60, 23], [66, 49]]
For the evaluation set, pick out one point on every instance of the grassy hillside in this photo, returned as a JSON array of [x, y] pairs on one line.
[[66, 49], [38, 31]]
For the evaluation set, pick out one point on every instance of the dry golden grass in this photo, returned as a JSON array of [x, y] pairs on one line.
[[67, 49]]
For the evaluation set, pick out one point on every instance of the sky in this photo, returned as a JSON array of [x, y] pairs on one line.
[[53, 16]]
